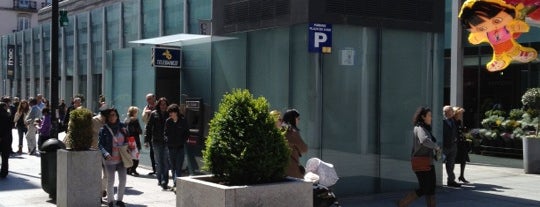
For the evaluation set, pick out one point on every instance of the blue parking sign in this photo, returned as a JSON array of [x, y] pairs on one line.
[[320, 38]]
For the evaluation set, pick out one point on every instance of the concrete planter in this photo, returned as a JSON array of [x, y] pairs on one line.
[[199, 191], [531, 155], [78, 180]]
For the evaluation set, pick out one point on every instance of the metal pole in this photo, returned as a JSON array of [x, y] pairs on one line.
[[54, 69], [456, 59]]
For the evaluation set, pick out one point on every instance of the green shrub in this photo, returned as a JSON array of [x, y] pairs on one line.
[[516, 114], [243, 144], [79, 132], [495, 112]]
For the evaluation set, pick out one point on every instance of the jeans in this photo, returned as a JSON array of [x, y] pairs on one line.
[[31, 139], [161, 155], [110, 169], [22, 131], [176, 155]]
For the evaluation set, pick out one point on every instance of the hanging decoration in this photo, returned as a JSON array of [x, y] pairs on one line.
[[499, 24]]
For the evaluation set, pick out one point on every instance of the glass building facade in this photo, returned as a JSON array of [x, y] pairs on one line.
[[356, 103]]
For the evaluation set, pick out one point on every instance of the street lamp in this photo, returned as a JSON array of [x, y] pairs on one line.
[[54, 66]]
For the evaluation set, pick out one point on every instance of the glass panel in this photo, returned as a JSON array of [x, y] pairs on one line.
[[113, 26], [131, 18], [173, 10], [122, 78], [405, 76], [82, 56], [268, 60], [37, 52], [229, 67], [69, 47], [150, 19], [46, 32], [96, 26], [349, 99]]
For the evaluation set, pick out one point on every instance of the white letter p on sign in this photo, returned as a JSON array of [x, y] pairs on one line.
[[320, 38]]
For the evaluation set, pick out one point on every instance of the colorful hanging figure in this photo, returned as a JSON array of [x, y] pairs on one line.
[[530, 8], [495, 22]]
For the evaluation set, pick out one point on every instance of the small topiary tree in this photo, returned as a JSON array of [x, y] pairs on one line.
[[79, 133], [243, 144]]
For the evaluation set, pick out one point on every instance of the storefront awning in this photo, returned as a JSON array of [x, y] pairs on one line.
[[181, 40]]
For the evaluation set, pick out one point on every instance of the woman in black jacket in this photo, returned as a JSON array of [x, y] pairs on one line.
[[134, 130], [176, 133]]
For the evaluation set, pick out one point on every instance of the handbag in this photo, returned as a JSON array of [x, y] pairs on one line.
[[123, 151], [126, 156], [132, 144], [421, 163]]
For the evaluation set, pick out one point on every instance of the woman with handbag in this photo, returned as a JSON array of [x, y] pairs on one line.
[[134, 130], [424, 145], [112, 139]]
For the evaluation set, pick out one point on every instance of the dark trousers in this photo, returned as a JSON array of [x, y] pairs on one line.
[[41, 139], [152, 159], [450, 154], [22, 131], [5, 151], [426, 182]]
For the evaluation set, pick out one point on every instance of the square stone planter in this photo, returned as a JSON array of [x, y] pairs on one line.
[[78, 181], [200, 191], [531, 155]]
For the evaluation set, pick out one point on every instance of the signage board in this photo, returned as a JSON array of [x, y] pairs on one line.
[[166, 57], [320, 38], [10, 61]]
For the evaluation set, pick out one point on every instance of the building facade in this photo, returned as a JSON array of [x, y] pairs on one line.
[[356, 102], [18, 15]]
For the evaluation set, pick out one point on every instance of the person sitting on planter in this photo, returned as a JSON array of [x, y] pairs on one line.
[[112, 136], [296, 144]]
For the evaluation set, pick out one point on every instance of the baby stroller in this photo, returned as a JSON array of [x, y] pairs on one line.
[[323, 175]]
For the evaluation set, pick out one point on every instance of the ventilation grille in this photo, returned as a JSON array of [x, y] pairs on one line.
[[255, 14], [411, 10]]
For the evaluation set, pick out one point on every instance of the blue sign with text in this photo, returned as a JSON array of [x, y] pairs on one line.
[[166, 57], [320, 38]]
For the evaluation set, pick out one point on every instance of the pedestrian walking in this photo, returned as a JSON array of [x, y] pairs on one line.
[[112, 136], [22, 129], [134, 130], [463, 146], [154, 133], [423, 148], [30, 121], [450, 137], [150, 106], [5, 138], [176, 134]]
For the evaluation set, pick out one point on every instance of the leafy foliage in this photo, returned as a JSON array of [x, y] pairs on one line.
[[516, 114], [243, 144], [79, 133], [531, 98]]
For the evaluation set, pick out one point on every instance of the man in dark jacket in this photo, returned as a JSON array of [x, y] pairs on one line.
[[5, 138], [450, 137], [155, 134]]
